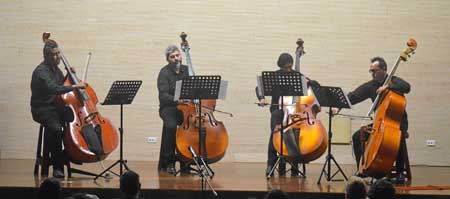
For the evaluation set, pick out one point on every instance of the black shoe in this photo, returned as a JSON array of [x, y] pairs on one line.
[[269, 168], [294, 172], [58, 173], [360, 175], [171, 170], [186, 170], [400, 179]]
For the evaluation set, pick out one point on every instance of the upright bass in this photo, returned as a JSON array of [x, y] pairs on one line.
[[90, 137], [300, 114], [215, 135], [382, 146]]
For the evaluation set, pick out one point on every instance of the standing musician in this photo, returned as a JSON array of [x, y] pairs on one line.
[[285, 63], [171, 116], [370, 89], [46, 83]]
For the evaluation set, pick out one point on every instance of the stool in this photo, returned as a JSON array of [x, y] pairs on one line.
[[42, 155], [407, 170], [43, 159]]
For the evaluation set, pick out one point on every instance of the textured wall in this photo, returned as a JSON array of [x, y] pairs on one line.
[[235, 39]]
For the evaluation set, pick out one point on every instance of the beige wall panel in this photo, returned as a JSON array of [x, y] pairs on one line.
[[234, 39]]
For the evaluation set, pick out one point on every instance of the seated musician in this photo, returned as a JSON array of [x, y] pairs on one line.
[[170, 115], [285, 63], [46, 83], [370, 89]]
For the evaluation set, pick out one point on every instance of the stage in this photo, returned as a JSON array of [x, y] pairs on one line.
[[231, 180]]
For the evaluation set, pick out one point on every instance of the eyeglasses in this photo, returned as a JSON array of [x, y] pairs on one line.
[[374, 70], [173, 56]]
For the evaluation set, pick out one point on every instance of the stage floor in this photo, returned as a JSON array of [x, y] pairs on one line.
[[229, 178]]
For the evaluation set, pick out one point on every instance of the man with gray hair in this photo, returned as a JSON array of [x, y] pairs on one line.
[[171, 116]]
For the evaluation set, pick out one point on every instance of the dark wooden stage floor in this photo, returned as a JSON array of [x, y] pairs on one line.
[[232, 180]]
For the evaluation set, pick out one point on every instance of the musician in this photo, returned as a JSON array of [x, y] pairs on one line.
[[370, 89], [171, 116], [285, 63], [46, 83]]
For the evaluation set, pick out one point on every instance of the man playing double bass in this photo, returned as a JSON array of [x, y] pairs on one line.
[[370, 89], [171, 116], [285, 63], [46, 83]]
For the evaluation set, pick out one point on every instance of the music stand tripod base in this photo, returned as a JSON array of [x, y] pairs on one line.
[[332, 97], [120, 93]]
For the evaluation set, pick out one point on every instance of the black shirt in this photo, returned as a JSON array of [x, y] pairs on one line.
[[369, 90], [46, 83], [166, 84]]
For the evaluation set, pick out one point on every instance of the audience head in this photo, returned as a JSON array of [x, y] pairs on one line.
[[50, 189], [356, 188], [83, 196], [129, 183], [381, 189], [276, 194]]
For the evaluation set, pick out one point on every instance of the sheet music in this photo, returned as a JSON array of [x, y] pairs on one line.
[[223, 89], [304, 86], [178, 83], [346, 98], [259, 85]]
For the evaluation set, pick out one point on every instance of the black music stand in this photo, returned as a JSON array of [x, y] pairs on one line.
[[197, 88], [332, 97], [283, 84], [120, 93]]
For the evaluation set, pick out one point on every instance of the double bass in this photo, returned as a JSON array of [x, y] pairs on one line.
[[89, 137], [382, 146], [300, 114], [215, 135]]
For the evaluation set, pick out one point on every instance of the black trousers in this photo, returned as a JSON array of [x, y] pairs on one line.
[[276, 118], [358, 149], [53, 119], [172, 117]]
